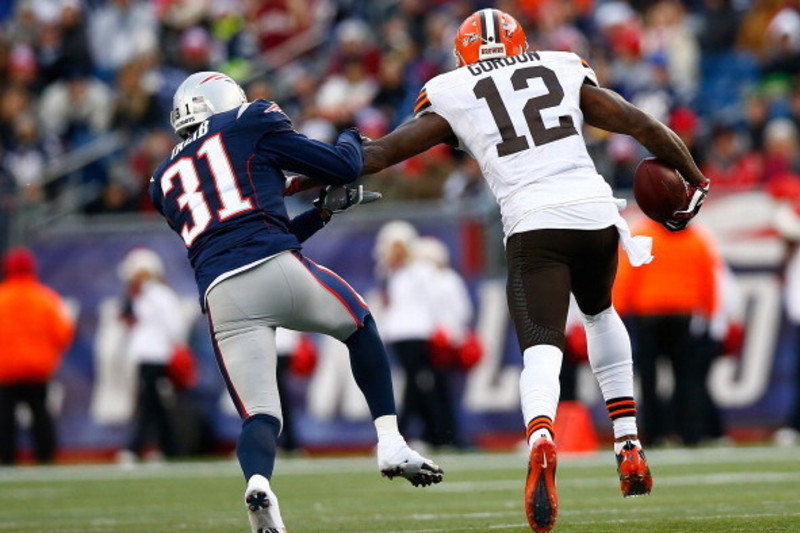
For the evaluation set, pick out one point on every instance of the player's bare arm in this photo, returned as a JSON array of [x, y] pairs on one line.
[[607, 110], [409, 139]]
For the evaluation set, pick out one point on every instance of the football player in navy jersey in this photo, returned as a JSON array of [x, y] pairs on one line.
[[222, 191]]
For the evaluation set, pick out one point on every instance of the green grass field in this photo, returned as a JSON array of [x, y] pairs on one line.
[[739, 489]]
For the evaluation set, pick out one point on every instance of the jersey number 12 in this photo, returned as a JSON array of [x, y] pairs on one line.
[[513, 143]]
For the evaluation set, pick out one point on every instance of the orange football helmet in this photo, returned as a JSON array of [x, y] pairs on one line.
[[487, 34]]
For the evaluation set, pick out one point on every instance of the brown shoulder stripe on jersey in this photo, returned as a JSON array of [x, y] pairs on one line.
[[422, 101], [421, 104]]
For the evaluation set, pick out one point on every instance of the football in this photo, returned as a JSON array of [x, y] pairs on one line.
[[658, 189]]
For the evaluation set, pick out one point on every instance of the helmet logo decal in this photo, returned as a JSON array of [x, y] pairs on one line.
[[215, 76]]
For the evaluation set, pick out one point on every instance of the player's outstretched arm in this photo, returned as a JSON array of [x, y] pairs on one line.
[[409, 139], [607, 110]]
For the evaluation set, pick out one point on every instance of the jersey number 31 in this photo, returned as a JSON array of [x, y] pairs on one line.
[[192, 198]]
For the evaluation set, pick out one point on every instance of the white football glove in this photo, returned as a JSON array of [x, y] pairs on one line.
[[681, 218]]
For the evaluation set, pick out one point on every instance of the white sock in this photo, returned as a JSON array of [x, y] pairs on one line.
[[539, 388], [386, 427], [257, 481], [611, 359], [539, 434], [625, 426], [619, 445]]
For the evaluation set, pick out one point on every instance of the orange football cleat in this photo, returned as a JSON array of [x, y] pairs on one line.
[[541, 498], [634, 472]]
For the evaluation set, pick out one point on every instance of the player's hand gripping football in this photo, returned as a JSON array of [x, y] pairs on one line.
[[341, 197], [681, 218]]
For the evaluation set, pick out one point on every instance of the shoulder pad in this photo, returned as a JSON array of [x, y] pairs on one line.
[[262, 111]]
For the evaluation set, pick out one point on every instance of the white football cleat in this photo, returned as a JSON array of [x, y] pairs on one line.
[[262, 507], [395, 458]]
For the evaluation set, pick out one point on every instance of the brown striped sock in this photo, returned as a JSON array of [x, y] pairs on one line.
[[620, 407], [540, 422]]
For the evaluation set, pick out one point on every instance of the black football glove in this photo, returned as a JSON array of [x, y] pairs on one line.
[[681, 218], [341, 197]]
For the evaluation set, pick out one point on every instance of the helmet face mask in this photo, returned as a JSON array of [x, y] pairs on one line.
[[488, 34], [200, 96]]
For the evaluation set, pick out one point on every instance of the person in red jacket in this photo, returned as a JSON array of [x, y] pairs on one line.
[[671, 302], [36, 331]]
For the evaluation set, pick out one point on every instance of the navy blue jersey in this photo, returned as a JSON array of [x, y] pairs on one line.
[[222, 188]]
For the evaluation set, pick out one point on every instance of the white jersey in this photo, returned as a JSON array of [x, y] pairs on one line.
[[520, 118]]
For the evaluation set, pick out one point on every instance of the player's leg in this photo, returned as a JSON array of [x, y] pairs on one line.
[[327, 304], [239, 311], [610, 353], [538, 300]]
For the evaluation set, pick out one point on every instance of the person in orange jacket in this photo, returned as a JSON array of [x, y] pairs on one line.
[[670, 303], [36, 330]]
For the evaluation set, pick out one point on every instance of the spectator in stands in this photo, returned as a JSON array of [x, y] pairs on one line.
[[668, 34], [781, 149], [729, 162], [136, 107], [194, 54], [782, 46], [671, 302], [76, 109], [686, 124], [36, 331], [354, 43], [63, 45], [156, 328], [120, 30], [393, 93], [26, 160], [276, 23], [756, 116], [719, 26], [15, 102], [23, 69], [343, 95]]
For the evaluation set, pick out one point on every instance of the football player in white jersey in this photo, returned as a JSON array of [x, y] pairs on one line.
[[520, 114]]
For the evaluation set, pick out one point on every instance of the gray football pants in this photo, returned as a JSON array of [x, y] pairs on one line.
[[286, 291]]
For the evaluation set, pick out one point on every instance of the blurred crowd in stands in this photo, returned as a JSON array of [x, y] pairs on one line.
[[80, 75]]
